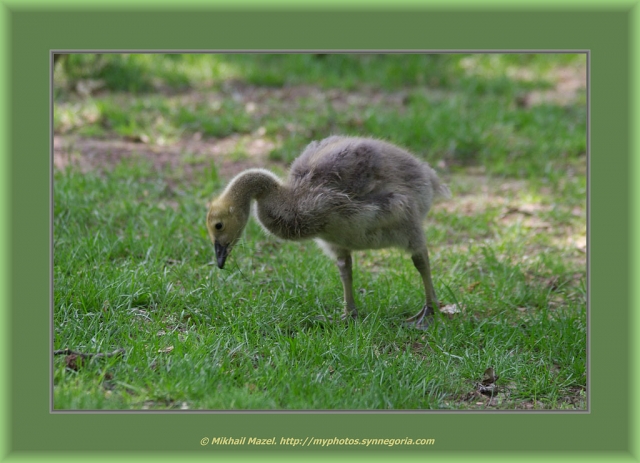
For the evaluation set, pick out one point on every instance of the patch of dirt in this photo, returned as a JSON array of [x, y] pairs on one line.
[[478, 192], [575, 399], [260, 100], [94, 154], [568, 84], [98, 154]]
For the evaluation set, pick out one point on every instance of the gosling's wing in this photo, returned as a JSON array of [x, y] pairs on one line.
[[361, 166], [345, 165]]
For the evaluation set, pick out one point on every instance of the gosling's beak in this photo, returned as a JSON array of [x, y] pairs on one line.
[[221, 253]]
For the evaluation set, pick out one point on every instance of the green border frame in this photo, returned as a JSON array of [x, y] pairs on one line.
[[29, 29]]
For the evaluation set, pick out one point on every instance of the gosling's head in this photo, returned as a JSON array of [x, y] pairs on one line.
[[225, 223]]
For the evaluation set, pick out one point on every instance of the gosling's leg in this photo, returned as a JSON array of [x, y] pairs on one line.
[[344, 266], [344, 262], [423, 319]]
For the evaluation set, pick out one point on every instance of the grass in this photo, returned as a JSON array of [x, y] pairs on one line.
[[133, 265]]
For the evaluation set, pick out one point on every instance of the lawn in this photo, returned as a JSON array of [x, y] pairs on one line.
[[143, 142]]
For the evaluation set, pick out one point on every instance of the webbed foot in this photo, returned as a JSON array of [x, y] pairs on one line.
[[423, 319]]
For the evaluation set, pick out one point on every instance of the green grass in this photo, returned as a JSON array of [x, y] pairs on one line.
[[133, 265]]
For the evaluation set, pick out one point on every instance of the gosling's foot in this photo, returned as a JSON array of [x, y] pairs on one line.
[[423, 319]]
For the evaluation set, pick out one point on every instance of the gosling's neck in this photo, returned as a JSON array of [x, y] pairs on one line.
[[277, 207], [252, 184], [268, 191]]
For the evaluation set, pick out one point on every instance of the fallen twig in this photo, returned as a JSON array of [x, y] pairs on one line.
[[89, 355]]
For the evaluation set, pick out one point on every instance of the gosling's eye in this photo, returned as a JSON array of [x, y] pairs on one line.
[[219, 226]]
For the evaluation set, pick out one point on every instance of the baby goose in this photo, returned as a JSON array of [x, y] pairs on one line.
[[348, 194]]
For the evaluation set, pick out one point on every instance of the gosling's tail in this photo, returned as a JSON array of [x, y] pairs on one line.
[[439, 189], [443, 191]]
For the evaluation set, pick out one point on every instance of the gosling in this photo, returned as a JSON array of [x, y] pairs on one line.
[[346, 193]]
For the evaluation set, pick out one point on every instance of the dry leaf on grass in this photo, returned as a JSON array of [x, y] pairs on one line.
[[73, 361], [488, 384], [473, 286], [450, 310]]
